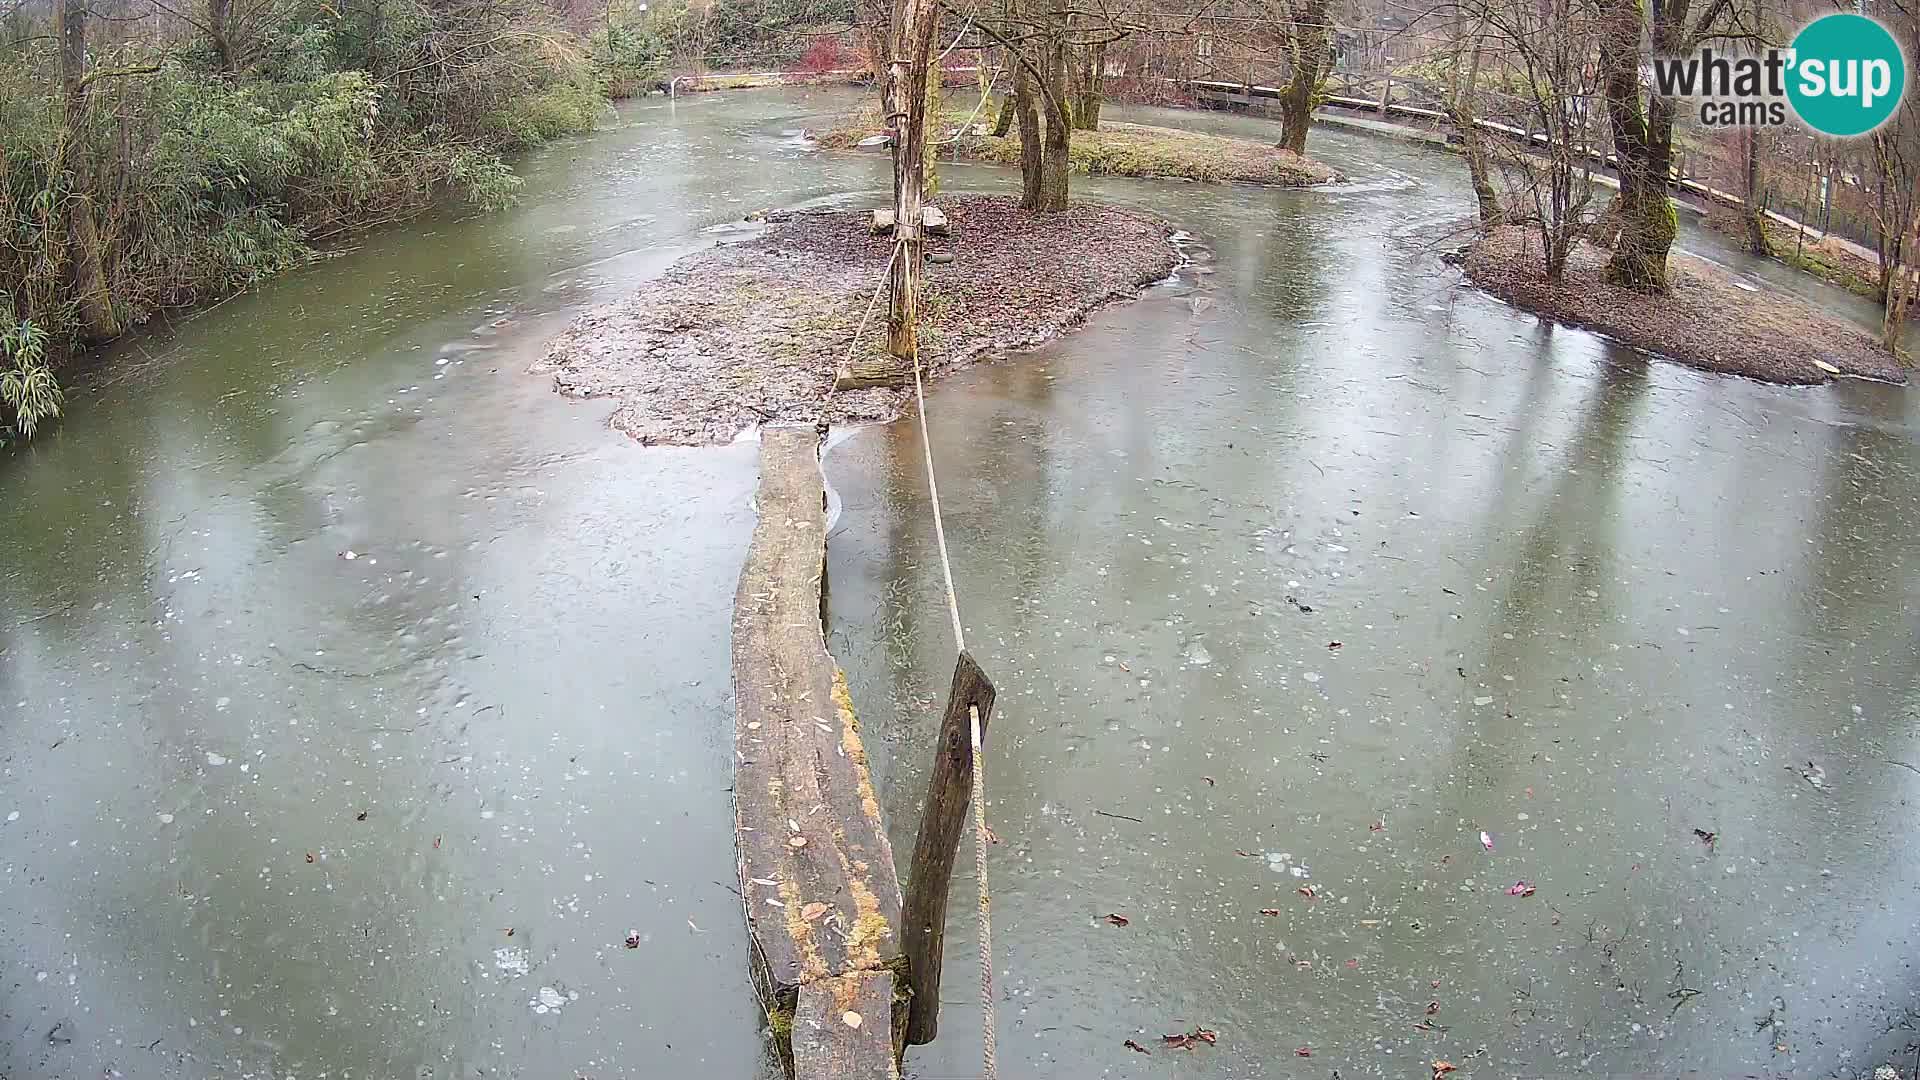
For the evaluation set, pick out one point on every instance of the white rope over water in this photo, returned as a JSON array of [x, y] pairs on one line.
[[989, 1070], [860, 331]]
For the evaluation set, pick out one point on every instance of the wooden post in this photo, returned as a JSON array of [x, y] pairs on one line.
[[908, 75], [949, 788]]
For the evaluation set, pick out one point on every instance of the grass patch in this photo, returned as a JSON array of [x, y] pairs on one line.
[[1118, 149], [1825, 260]]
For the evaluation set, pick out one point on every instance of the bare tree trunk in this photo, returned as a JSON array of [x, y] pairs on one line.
[[930, 145], [875, 28], [1032, 151], [1755, 198], [1090, 87], [85, 271], [907, 72], [220, 32], [1890, 238], [1003, 122], [1059, 127], [1900, 282], [1311, 58], [1643, 148], [1472, 141], [1899, 292]]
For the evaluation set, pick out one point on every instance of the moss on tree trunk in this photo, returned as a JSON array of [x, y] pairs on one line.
[[86, 271], [1310, 56], [1090, 86], [1054, 162], [1642, 144]]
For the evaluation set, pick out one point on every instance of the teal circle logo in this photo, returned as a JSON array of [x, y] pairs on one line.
[[1848, 75]]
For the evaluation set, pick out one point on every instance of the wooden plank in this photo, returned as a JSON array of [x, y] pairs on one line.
[[841, 1028], [816, 870], [942, 821]]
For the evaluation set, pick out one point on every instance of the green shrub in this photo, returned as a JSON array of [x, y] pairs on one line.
[[629, 53], [199, 182], [27, 386], [547, 114]]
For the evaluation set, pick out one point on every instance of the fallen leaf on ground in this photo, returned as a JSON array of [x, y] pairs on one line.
[[1117, 919], [1187, 1041], [1520, 888], [1442, 1068], [1303, 1051], [815, 910], [1269, 911], [1354, 963], [1131, 1045], [1306, 891]]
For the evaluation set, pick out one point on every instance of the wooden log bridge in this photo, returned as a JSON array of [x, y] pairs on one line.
[[816, 870]]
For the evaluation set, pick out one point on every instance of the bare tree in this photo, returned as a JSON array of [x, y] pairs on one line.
[[1643, 215], [1753, 195], [1461, 94], [1546, 46], [85, 257], [1310, 58], [1089, 85]]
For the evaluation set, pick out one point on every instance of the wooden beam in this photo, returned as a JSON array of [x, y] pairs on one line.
[[841, 1029], [816, 870], [942, 820]]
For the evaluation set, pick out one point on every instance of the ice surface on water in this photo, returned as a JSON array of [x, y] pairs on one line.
[[512, 961]]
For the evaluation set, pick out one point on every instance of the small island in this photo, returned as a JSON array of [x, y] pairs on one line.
[[1708, 318], [1113, 149], [751, 332]]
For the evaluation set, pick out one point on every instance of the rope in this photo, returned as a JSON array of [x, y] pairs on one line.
[[989, 1070], [940, 532], [872, 302], [985, 917], [962, 133]]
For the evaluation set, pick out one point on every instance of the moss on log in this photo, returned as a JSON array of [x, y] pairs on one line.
[[816, 869]]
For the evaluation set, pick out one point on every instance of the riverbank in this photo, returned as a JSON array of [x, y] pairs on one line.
[[212, 172], [1710, 320], [1116, 149], [753, 332]]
